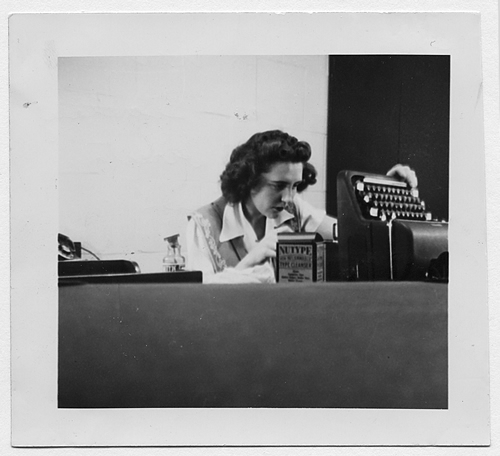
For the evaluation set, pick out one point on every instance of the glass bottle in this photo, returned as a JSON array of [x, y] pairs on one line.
[[173, 260]]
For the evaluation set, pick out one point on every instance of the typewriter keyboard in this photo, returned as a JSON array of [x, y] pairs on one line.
[[387, 199]]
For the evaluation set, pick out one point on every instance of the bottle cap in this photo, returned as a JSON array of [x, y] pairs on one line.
[[174, 239]]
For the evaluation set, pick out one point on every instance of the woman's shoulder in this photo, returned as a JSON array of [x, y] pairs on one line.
[[210, 215], [214, 208]]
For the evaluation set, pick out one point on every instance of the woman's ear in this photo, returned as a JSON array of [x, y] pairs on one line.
[[308, 177]]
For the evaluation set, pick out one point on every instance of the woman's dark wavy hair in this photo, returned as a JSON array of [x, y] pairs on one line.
[[256, 156]]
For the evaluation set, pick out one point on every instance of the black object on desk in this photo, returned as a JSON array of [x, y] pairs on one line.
[[157, 277], [118, 271], [92, 267]]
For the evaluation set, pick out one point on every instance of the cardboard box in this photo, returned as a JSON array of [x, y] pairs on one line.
[[300, 258]]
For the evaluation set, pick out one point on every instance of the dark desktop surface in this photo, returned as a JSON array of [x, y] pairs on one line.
[[348, 345]]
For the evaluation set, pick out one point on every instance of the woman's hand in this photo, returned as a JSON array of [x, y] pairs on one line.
[[404, 173], [265, 248]]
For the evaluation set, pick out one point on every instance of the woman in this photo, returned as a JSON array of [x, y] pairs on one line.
[[260, 186]]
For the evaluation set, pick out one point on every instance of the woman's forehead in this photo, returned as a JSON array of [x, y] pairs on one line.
[[285, 171]]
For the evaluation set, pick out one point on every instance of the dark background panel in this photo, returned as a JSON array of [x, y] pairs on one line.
[[385, 110]]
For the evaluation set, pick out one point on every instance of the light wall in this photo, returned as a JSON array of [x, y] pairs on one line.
[[143, 141]]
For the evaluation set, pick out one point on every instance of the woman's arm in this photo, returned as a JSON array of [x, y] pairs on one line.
[[327, 228], [314, 219]]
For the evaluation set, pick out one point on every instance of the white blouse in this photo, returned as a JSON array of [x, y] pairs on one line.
[[235, 224]]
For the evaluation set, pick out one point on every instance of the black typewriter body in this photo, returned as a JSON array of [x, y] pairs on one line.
[[385, 231]]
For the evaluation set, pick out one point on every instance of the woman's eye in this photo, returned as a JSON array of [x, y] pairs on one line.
[[279, 187]]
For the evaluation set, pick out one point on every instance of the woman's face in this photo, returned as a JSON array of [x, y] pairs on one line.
[[276, 188]]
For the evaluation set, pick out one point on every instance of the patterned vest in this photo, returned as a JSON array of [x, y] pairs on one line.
[[229, 253]]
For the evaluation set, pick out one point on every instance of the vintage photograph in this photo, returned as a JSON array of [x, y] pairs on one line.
[[145, 143], [252, 232]]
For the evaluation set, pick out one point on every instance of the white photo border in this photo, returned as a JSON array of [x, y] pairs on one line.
[[36, 41]]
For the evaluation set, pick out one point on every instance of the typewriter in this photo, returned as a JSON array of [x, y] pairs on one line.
[[385, 231]]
